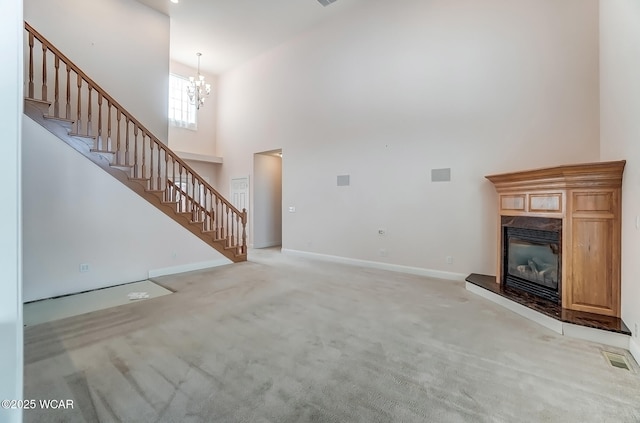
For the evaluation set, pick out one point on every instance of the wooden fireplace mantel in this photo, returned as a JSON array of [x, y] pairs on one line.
[[587, 197]]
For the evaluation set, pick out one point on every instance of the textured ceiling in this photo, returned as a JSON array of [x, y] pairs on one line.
[[229, 32]]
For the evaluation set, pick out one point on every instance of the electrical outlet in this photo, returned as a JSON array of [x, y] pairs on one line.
[[84, 267], [449, 259], [292, 209], [383, 252], [174, 255]]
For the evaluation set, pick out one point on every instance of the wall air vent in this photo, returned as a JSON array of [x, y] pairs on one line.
[[441, 175], [343, 180], [326, 3]]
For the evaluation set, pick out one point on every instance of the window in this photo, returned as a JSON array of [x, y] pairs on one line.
[[181, 112]]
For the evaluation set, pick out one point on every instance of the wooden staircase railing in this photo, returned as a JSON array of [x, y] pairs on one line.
[[200, 214], [114, 135]]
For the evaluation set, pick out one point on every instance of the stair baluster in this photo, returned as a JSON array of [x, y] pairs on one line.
[[108, 126], [67, 111], [135, 152], [160, 187], [56, 103], [144, 156], [79, 120], [31, 65], [118, 118], [100, 140], [44, 73], [89, 111]]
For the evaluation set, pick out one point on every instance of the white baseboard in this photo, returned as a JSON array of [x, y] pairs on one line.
[[634, 349], [526, 312], [437, 274], [267, 244], [189, 267], [613, 339]]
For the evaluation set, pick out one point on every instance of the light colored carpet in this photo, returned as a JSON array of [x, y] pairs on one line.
[[281, 339], [73, 305]]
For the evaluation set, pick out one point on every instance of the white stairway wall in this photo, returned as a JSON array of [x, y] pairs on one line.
[[75, 213]]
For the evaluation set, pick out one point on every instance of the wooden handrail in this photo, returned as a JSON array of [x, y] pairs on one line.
[[131, 151]]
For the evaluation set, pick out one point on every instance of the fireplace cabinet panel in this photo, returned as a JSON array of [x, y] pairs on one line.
[[593, 276], [512, 202], [526, 203], [545, 202], [594, 201]]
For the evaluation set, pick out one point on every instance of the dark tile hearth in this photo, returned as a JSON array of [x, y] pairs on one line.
[[548, 308]]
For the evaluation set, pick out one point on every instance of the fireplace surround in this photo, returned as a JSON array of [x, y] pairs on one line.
[[559, 234]]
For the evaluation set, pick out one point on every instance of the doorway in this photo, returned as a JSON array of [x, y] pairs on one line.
[[239, 198], [239, 190], [267, 199]]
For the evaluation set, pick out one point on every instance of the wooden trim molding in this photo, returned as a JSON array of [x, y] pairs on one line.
[[587, 175]]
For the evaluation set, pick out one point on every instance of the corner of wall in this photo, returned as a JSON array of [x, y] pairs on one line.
[[11, 100], [634, 349]]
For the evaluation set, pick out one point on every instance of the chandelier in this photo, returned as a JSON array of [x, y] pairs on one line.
[[198, 89]]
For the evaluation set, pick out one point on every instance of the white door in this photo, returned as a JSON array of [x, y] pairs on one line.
[[240, 193]]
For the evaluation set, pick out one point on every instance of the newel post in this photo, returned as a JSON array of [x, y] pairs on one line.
[[244, 230]]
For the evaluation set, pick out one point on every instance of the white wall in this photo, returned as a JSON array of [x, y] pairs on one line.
[[206, 170], [267, 201], [121, 44], [394, 89], [203, 140], [87, 216], [11, 362], [620, 133]]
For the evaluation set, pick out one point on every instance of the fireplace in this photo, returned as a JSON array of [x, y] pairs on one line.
[[559, 235], [558, 249], [531, 255]]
